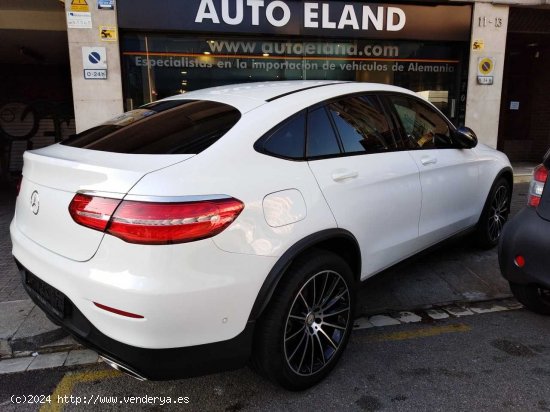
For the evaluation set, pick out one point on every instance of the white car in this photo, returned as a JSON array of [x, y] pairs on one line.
[[233, 224]]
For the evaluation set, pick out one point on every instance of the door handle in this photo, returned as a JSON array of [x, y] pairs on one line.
[[343, 175], [428, 160]]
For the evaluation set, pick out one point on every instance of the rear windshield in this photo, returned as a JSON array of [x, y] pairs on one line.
[[170, 127]]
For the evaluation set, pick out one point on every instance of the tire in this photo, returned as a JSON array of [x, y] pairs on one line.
[[532, 297], [311, 309], [494, 215]]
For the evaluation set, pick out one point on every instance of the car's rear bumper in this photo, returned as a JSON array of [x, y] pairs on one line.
[[153, 364], [528, 235], [195, 301]]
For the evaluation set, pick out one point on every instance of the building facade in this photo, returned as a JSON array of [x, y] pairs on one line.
[[484, 63]]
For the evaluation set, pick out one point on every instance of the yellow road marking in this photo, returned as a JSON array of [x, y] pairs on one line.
[[418, 333], [66, 385]]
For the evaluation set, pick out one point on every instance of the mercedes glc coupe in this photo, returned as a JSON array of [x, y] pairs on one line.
[[232, 225]]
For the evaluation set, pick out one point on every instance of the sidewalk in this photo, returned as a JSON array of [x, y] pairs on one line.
[[452, 274]]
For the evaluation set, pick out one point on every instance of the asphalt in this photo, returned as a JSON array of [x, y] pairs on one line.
[[455, 273]]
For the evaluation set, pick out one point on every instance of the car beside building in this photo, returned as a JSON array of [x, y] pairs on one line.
[[234, 223]]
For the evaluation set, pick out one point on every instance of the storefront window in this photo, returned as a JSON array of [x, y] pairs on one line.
[[161, 65]]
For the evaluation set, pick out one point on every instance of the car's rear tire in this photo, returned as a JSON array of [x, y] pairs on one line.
[[494, 215], [532, 297], [306, 327]]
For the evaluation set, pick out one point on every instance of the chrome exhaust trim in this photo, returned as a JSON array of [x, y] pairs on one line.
[[115, 365]]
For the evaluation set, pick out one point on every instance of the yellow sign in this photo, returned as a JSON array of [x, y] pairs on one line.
[[79, 5], [485, 66], [107, 33], [478, 45]]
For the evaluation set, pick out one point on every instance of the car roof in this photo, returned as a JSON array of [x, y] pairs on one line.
[[247, 96]]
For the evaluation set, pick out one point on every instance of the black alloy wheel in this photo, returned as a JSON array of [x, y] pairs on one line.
[[305, 328], [498, 213], [316, 323], [494, 215]]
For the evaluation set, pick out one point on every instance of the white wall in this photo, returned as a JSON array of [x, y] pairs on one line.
[[489, 24]]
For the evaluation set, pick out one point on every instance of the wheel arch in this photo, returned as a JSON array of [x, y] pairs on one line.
[[508, 174], [339, 241]]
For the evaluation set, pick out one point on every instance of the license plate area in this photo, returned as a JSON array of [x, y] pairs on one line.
[[47, 294]]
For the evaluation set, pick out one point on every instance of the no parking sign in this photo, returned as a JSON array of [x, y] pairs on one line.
[[485, 68], [94, 62]]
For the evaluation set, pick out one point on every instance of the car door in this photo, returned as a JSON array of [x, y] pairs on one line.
[[372, 188], [448, 174]]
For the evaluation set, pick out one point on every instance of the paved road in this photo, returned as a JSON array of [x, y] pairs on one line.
[[490, 362]]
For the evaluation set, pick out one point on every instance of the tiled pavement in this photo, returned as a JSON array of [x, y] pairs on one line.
[[10, 283]]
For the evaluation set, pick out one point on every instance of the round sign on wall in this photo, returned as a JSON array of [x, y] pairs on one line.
[[485, 66]]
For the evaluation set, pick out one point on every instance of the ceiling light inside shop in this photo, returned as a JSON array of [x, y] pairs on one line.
[[183, 72], [265, 54], [207, 52]]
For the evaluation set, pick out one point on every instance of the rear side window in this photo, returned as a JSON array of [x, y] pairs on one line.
[[423, 127], [362, 125], [321, 140], [288, 140], [171, 127]]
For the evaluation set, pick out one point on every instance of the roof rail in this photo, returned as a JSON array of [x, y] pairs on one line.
[[305, 88]]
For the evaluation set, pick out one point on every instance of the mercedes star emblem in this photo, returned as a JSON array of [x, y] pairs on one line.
[[35, 202]]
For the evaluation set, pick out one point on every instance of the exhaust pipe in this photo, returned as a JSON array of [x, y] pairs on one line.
[[115, 365]]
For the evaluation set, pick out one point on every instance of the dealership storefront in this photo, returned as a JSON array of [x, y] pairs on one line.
[[173, 47]]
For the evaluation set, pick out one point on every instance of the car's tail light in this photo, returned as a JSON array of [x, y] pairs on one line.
[[155, 223], [540, 175], [92, 211], [519, 261]]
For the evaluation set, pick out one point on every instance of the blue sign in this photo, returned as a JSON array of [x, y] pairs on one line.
[[94, 57], [106, 4]]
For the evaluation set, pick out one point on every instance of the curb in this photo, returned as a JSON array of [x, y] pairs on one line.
[[523, 178], [35, 342], [24, 327], [78, 357], [435, 313]]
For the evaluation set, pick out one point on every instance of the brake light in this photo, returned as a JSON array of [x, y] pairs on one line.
[[155, 223], [540, 175], [92, 211], [519, 261]]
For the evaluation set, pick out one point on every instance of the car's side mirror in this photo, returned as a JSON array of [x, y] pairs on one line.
[[465, 137]]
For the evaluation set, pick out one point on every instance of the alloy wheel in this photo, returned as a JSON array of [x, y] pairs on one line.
[[498, 212], [317, 323]]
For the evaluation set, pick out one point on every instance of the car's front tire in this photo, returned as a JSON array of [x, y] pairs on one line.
[[307, 324], [494, 215], [532, 297]]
